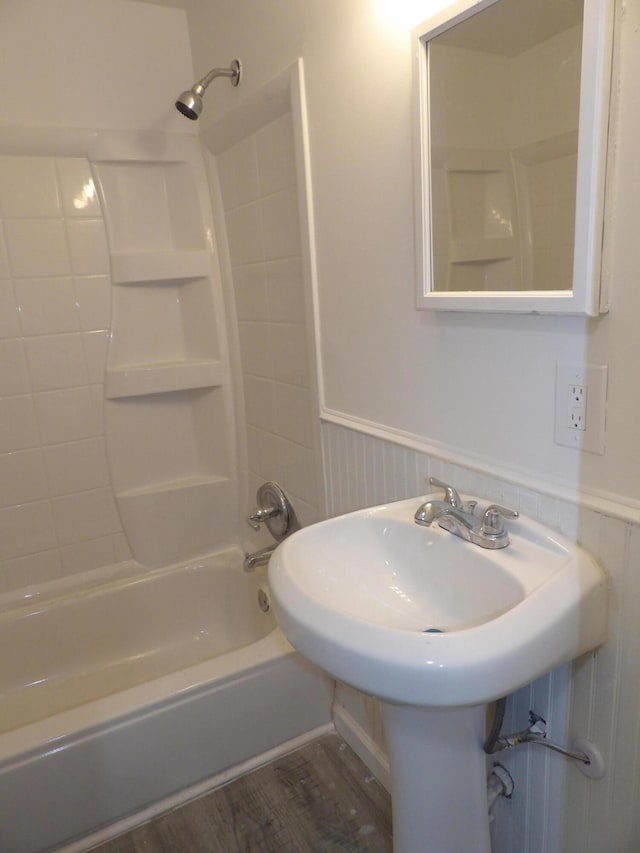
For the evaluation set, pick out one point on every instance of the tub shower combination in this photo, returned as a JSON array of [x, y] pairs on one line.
[[151, 684], [129, 688]]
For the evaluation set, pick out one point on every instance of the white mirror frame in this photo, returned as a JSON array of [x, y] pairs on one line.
[[585, 297]]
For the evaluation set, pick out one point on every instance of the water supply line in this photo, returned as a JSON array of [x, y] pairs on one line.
[[536, 733], [499, 784]]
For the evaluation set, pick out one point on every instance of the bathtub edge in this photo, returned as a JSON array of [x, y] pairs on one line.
[[194, 792]]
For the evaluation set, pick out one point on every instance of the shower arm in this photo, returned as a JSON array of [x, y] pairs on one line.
[[190, 103], [233, 73]]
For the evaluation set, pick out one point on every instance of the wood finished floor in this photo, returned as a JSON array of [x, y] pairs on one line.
[[319, 798]]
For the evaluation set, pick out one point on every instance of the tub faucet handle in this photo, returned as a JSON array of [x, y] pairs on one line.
[[262, 514], [275, 511]]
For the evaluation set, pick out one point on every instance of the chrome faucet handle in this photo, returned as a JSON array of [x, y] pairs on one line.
[[492, 518], [261, 515], [450, 494], [275, 511]]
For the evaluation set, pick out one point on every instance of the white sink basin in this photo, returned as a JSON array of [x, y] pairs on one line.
[[364, 596]]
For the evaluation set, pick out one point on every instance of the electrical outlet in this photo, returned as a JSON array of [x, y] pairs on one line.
[[581, 395], [577, 409], [577, 419], [578, 395]]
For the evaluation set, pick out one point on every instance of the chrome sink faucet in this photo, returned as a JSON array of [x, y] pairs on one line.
[[459, 517]]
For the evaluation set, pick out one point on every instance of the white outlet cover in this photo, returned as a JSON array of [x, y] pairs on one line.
[[594, 378]]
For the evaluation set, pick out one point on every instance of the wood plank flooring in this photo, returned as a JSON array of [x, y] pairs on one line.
[[317, 799]]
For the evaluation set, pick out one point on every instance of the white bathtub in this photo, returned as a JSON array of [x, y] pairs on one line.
[[133, 691]]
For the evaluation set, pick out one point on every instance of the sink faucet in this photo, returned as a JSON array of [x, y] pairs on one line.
[[459, 517]]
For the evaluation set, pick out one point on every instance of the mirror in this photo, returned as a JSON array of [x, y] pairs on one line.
[[511, 104]]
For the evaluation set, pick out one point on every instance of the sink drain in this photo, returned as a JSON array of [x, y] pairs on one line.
[[433, 631]]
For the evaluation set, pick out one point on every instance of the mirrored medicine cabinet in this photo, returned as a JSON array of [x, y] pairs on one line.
[[511, 115]]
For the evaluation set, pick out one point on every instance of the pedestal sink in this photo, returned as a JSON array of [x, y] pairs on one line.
[[436, 628]]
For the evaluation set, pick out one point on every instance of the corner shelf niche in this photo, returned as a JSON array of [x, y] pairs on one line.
[[168, 408], [151, 206], [198, 508], [141, 267], [482, 222], [140, 379], [163, 338], [170, 462]]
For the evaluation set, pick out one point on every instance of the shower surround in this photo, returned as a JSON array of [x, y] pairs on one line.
[[58, 514], [168, 425], [263, 190], [121, 441]]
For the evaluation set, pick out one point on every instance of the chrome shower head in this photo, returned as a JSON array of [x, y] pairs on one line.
[[190, 102]]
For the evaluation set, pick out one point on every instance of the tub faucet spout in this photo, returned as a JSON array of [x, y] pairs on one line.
[[259, 558]]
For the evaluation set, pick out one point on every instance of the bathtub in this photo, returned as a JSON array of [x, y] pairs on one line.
[[132, 691]]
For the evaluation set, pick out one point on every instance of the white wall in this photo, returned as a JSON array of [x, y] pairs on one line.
[[471, 389], [72, 63], [431, 372]]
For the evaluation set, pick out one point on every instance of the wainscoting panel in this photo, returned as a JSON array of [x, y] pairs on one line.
[[555, 808]]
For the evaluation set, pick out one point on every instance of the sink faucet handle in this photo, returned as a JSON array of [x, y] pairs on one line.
[[450, 494], [492, 518]]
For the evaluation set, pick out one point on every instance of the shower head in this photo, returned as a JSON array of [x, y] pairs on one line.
[[190, 103]]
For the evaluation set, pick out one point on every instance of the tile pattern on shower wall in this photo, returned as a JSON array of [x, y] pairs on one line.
[[57, 514], [258, 183], [555, 808]]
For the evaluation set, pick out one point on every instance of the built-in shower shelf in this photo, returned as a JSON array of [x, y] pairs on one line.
[[149, 267], [191, 484], [478, 249], [168, 407], [174, 520], [141, 379]]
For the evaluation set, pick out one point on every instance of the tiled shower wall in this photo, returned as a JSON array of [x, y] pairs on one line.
[[258, 184], [57, 514], [555, 809]]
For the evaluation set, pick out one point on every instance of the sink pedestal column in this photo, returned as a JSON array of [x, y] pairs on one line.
[[438, 779]]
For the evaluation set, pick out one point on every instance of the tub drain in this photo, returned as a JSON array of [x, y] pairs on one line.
[[263, 601]]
